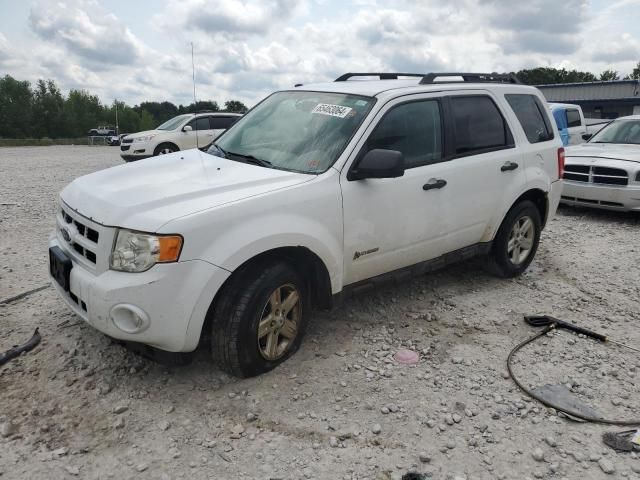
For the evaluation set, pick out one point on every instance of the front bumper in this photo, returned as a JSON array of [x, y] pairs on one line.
[[175, 298], [135, 151], [608, 197]]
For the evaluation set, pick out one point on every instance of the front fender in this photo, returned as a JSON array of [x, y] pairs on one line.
[[275, 231]]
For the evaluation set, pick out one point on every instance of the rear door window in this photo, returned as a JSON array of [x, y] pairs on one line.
[[573, 117], [479, 125], [529, 111], [222, 123]]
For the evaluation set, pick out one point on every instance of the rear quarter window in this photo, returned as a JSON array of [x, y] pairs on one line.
[[479, 125], [573, 118], [529, 111]]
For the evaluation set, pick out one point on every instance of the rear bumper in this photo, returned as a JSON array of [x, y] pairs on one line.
[[607, 197], [174, 299]]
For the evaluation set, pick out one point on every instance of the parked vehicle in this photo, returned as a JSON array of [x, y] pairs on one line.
[[102, 132], [605, 171], [573, 127], [115, 140], [180, 133], [318, 192]]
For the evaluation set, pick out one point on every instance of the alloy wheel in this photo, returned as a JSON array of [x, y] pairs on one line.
[[278, 325], [521, 239]]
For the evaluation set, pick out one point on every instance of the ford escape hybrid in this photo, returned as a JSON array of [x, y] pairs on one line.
[[318, 190]]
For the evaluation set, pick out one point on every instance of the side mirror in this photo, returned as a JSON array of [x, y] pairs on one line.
[[378, 163], [187, 128], [587, 136]]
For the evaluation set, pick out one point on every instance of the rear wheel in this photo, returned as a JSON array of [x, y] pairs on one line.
[[164, 148], [517, 241], [259, 320]]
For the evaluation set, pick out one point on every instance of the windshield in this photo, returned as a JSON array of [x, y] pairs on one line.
[[298, 131], [619, 131], [173, 123]]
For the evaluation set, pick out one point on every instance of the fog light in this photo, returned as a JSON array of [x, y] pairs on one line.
[[129, 318]]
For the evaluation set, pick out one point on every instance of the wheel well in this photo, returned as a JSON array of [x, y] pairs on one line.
[[539, 199], [308, 264], [155, 150]]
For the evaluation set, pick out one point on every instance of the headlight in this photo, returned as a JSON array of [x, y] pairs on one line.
[[146, 138], [138, 252]]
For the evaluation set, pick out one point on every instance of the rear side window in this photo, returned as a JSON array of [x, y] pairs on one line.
[[529, 111], [222, 123], [573, 118], [412, 128], [479, 126]]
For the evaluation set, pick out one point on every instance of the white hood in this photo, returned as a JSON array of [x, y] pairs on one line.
[[145, 133], [146, 194], [613, 151]]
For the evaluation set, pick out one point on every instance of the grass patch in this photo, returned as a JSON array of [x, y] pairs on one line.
[[41, 142]]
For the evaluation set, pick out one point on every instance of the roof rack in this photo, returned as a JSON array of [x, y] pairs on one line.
[[472, 77], [380, 75], [430, 78]]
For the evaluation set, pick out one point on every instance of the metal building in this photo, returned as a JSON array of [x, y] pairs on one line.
[[598, 99]]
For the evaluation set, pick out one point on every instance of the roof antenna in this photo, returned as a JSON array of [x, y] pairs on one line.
[[195, 103]]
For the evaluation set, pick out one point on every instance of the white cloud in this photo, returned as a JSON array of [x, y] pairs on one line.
[[247, 48], [98, 38]]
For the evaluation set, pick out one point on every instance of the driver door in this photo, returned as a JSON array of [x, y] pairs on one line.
[[200, 136], [393, 223]]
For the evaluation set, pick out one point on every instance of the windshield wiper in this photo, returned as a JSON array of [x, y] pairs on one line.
[[250, 159]]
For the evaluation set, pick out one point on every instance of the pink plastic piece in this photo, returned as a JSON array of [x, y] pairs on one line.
[[406, 357]]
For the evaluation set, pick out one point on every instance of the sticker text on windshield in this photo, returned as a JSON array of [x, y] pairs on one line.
[[333, 110]]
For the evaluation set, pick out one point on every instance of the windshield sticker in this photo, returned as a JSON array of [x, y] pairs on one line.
[[332, 110]]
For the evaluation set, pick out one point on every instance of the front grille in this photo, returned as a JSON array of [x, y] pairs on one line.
[[594, 174], [124, 148], [80, 237], [127, 140]]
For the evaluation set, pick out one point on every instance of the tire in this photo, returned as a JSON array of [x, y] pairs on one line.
[[246, 302], [512, 252], [165, 148]]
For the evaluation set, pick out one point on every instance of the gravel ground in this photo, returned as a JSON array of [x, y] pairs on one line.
[[80, 406]]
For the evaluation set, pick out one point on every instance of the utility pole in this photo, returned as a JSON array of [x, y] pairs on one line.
[[117, 129]]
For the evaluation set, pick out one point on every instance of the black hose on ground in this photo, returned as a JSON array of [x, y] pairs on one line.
[[550, 404], [23, 294]]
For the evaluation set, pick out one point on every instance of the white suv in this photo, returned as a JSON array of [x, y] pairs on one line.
[[180, 133], [318, 191]]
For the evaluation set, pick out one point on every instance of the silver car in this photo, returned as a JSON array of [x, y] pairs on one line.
[[605, 171]]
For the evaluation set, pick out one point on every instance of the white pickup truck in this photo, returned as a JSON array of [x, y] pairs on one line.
[[319, 190], [571, 117]]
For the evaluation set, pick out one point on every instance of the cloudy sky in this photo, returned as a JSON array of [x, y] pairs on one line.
[[137, 50]]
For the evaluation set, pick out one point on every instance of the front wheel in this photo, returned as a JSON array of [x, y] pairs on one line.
[[259, 320], [517, 241], [164, 148]]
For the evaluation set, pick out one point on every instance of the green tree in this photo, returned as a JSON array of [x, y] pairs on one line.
[[635, 75], [147, 122], [15, 108], [199, 106], [82, 112], [235, 106], [48, 110], [609, 75], [546, 75]]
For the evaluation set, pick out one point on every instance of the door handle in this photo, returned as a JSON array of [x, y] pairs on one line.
[[434, 183], [508, 166]]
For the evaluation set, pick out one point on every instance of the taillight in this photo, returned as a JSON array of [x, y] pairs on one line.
[[560, 162]]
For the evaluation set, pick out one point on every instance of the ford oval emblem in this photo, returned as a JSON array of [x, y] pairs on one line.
[[65, 234]]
